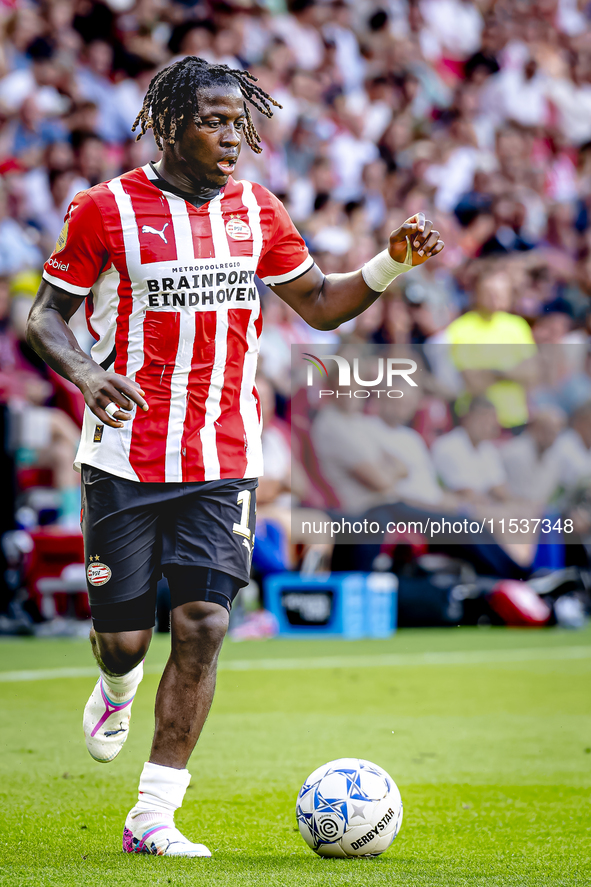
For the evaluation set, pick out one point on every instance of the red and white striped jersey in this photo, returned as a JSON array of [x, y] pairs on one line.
[[172, 303]]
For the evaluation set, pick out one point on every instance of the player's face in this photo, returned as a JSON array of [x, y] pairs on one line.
[[210, 149]]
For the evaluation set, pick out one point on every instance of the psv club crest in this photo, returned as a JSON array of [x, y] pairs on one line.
[[238, 230], [98, 573]]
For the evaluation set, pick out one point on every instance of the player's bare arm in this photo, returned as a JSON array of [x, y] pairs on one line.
[[50, 336], [327, 301]]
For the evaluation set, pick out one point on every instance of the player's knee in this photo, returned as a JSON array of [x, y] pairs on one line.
[[120, 660], [198, 629], [119, 652]]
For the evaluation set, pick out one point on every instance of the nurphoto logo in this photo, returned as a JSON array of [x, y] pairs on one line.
[[386, 370]]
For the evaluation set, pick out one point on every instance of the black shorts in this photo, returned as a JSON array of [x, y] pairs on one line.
[[199, 535]]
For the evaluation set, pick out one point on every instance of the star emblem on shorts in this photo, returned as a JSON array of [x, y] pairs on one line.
[[94, 558]]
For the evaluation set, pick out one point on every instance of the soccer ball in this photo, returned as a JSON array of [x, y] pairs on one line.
[[349, 808]]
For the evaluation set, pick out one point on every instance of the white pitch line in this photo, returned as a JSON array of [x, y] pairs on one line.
[[398, 660], [47, 674], [468, 657]]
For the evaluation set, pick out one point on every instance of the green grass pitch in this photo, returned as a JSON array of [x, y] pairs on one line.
[[487, 733]]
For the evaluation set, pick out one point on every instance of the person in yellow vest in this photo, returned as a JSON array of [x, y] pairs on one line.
[[494, 349]]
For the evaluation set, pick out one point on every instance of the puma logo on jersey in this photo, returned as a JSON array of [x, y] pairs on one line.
[[147, 229]]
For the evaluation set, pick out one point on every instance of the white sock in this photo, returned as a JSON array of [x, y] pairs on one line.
[[161, 792], [122, 687]]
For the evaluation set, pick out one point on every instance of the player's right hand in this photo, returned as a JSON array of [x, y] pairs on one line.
[[101, 388], [423, 239]]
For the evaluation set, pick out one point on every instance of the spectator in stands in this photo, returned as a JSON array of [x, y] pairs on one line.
[[89, 150], [33, 132], [355, 461], [300, 31], [500, 370], [38, 79], [18, 250], [576, 388], [420, 485], [94, 84], [467, 461], [533, 460], [275, 486], [574, 447], [42, 436]]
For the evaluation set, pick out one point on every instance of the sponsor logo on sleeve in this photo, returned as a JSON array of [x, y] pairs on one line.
[[59, 266], [61, 241]]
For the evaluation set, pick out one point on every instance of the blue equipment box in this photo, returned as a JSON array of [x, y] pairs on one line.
[[352, 605]]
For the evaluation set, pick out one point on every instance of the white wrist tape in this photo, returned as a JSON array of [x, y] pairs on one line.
[[380, 271]]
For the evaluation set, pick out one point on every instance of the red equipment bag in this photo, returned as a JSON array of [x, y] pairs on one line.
[[518, 604]]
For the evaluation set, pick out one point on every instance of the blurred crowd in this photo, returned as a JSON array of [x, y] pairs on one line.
[[486, 432], [476, 112]]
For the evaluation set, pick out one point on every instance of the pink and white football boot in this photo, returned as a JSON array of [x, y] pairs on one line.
[[106, 721]]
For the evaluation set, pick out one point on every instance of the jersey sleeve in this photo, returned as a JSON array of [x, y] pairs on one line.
[[285, 256], [81, 251]]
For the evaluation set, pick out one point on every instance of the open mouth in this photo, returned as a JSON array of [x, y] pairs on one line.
[[227, 165]]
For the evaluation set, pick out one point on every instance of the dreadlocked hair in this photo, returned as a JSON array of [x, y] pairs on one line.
[[171, 99]]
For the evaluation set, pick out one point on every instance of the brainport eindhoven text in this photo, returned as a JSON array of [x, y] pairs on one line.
[[216, 287]]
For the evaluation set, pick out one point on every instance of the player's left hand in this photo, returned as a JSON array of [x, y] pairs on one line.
[[424, 241]]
